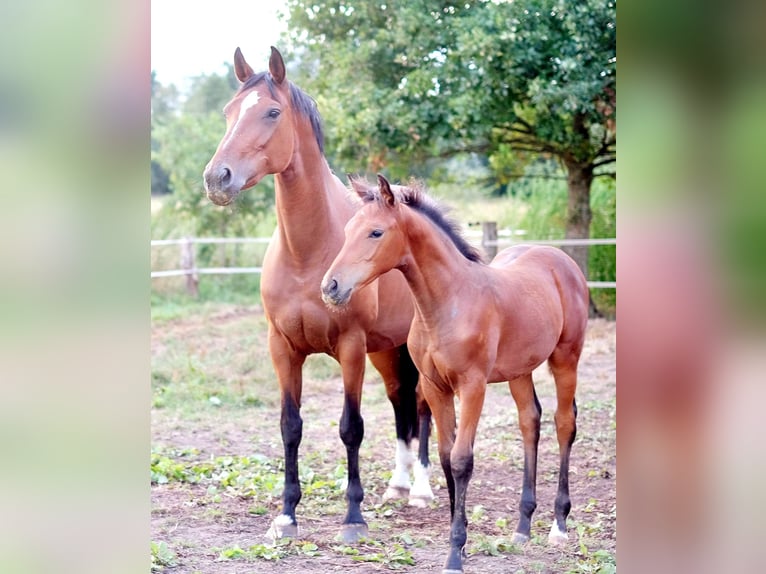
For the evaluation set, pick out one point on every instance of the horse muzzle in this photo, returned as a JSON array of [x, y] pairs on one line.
[[332, 294], [220, 185]]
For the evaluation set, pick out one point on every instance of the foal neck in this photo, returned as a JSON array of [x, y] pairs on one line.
[[434, 268]]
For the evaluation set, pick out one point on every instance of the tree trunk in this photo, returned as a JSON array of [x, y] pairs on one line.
[[579, 179]]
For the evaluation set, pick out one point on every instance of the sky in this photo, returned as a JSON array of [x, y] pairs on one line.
[[193, 38]]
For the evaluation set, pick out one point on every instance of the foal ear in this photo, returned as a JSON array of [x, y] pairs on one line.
[[241, 68], [277, 66], [385, 191], [360, 187]]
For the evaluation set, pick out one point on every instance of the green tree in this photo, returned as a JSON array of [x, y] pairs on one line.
[[403, 81], [210, 92]]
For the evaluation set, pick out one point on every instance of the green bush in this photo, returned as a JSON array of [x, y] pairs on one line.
[[545, 218]]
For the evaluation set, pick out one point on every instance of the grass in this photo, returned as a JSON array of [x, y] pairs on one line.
[[162, 556], [227, 371], [212, 379]]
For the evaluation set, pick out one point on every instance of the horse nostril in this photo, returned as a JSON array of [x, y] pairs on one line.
[[217, 179], [331, 288], [225, 175]]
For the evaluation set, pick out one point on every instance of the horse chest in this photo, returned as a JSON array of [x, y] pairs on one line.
[[443, 357], [298, 314]]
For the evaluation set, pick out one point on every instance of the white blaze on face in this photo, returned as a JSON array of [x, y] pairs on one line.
[[250, 100]]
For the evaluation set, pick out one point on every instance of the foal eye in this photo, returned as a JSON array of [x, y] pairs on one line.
[[375, 233], [273, 113]]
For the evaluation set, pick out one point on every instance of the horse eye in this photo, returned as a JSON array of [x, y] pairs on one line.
[[375, 233], [273, 113]]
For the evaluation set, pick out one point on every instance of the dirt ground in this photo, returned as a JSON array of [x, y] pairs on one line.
[[195, 527]]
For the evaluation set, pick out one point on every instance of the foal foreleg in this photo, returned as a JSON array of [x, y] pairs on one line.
[[461, 462], [523, 392]]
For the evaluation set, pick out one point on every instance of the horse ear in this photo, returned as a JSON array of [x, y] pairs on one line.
[[241, 68], [359, 186], [277, 66], [385, 191]]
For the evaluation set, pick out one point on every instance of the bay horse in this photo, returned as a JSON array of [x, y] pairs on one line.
[[273, 127], [474, 324]]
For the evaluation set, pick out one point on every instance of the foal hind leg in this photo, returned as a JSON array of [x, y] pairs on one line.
[[564, 369], [523, 392], [400, 378]]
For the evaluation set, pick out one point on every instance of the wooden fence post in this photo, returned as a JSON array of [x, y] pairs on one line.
[[189, 265], [489, 238]]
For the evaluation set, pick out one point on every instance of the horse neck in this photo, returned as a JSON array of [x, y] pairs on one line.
[[311, 203], [434, 268]]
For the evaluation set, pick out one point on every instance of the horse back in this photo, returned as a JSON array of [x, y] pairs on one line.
[[555, 275]]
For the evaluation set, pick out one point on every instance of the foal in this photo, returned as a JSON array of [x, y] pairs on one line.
[[474, 324]]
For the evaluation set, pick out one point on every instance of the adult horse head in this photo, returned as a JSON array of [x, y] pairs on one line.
[[261, 130]]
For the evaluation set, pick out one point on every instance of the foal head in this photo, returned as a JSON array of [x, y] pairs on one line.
[[377, 237], [260, 133], [374, 244]]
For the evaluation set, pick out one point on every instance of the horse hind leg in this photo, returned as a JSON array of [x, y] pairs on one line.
[[421, 493], [528, 406], [412, 417], [564, 368]]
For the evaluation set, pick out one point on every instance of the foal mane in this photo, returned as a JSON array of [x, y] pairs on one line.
[[414, 196], [301, 101]]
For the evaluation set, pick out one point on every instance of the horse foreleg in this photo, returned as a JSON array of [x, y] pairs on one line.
[[529, 409], [442, 404], [288, 366], [461, 461], [351, 356]]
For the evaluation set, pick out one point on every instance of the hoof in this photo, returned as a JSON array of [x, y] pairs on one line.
[[519, 538], [454, 562], [394, 492], [282, 527], [351, 533], [420, 501], [556, 537]]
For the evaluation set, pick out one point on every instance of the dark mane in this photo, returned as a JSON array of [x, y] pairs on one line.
[[301, 102], [415, 196]]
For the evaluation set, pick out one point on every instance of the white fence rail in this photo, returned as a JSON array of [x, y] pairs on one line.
[[487, 239]]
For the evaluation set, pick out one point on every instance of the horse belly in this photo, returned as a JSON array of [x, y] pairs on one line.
[[517, 356]]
